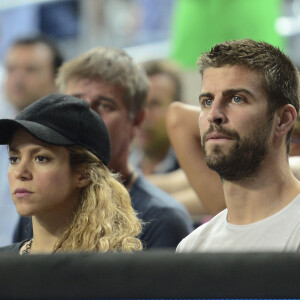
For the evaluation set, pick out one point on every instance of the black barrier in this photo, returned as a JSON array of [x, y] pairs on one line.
[[150, 275]]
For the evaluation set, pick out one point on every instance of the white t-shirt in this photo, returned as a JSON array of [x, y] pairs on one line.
[[279, 232]]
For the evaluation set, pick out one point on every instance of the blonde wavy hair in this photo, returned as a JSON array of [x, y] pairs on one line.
[[104, 219]]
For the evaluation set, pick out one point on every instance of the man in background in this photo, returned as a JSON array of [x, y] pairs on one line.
[[31, 65], [116, 88], [152, 152]]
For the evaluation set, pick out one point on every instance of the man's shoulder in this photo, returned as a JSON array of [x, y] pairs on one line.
[[144, 193], [207, 230], [154, 204]]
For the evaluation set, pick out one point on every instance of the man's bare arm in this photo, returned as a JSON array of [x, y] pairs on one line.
[[183, 130]]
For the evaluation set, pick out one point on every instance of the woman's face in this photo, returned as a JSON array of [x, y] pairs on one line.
[[41, 180]]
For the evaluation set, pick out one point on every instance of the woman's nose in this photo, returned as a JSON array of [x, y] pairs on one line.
[[22, 171]]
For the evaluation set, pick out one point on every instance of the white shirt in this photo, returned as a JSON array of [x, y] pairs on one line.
[[279, 232]]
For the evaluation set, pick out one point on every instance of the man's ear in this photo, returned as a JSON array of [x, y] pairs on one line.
[[136, 122], [82, 178], [139, 118], [287, 116]]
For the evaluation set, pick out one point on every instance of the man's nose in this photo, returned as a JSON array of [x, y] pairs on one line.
[[216, 114], [94, 105]]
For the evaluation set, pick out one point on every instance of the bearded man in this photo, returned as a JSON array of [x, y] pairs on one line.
[[248, 105]]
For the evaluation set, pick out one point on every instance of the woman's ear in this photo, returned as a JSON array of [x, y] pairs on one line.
[[287, 116], [82, 178]]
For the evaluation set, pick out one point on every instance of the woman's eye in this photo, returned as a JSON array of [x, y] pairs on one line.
[[237, 99], [13, 159], [41, 158]]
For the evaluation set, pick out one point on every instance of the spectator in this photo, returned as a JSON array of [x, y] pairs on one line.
[[31, 65], [152, 152], [249, 103], [58, 176], [116, 88]]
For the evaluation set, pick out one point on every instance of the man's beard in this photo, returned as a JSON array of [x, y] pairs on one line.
[[242, 160]]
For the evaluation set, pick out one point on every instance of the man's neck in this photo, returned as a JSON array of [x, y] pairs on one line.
[[126, 172], [257, 198], [152, 160], [149, 164]]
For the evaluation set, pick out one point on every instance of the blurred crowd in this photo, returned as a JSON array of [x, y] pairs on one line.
[[133, 99]]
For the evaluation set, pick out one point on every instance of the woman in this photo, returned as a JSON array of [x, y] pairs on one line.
[[59, 149]]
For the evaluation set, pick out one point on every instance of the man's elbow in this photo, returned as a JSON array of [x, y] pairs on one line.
[[173, 116]]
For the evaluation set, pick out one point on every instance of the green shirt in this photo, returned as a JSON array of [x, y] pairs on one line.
[[200, 24]]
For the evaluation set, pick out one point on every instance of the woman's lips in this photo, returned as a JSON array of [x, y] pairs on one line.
[[20, 192]]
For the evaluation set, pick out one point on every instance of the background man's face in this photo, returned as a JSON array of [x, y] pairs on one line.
[[30, 74], [106, 99], [152, 135]]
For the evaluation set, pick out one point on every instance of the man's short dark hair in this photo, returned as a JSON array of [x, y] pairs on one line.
[[41, 39], [278, 74], [279, 77]]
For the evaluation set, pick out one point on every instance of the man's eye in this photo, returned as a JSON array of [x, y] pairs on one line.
[[13, 159], [153, 104], [31, 69], [105, 106], [207, 102], [237, 99]]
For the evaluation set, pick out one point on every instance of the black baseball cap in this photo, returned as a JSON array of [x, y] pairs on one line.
[[61, 120]]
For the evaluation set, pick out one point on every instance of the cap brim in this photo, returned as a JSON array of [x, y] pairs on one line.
[[39, 131]]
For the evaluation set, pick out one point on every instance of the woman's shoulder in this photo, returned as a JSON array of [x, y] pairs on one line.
[[13, 249]]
